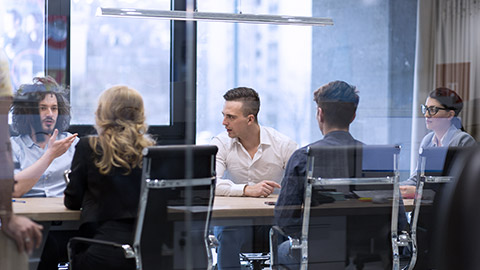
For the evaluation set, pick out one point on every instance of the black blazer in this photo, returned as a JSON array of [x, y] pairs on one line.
[[101, 197]]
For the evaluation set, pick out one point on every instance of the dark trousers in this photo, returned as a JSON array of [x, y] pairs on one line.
[[234, 240], [55, 249], [107, 257]]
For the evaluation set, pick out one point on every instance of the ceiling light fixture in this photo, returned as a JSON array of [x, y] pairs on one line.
[[213, 16]]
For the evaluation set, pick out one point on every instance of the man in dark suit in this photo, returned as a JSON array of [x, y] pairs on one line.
[[337, 103]]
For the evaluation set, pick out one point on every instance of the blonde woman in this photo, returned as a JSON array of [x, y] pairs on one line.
[[106, 178]]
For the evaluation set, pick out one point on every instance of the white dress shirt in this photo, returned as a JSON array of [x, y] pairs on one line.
[[236, 168], [26, 152]]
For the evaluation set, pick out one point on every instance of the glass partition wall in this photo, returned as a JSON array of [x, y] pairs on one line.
[[183, 69], [371, 45]]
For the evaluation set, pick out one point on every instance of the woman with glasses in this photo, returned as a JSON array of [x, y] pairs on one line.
[[441, 111], [106, 177]]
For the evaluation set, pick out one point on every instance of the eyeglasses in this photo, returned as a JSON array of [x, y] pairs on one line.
[[432, 110]]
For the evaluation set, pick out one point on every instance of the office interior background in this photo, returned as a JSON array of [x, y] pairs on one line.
[[394, 51]]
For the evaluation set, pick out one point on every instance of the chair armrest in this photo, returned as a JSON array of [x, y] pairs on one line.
[[213, 241], [295, 243], [127, 249], [66, 176], [279, 230], [275, 232]]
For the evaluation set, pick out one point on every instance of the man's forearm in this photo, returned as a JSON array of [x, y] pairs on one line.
[[27, 178], [226, 187]]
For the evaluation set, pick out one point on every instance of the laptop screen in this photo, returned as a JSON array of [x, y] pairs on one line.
[[439, 160]]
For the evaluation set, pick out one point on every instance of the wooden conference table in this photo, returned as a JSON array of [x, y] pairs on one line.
[[52, 209], [238, 211]]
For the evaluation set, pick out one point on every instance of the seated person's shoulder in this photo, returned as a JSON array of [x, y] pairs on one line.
[[20, 141], [300, 154], [84, 142], [222, 140], [274, 133], [467, 140], [15, 138], [279, 137], [222, 136]]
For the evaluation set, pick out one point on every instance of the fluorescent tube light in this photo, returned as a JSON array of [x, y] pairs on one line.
[[213, 16]]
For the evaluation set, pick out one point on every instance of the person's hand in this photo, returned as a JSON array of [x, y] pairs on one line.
[[26, 233], [408, 192], [262, 189], [58, 148]]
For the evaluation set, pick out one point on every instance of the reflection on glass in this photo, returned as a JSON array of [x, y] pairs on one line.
[[367, 46], [22, 38], [112, 51], [275, 60]]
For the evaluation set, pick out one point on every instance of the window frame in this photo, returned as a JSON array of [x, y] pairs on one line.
[[181, 129]]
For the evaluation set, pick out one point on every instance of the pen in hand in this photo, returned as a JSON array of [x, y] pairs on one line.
[[20, 201]]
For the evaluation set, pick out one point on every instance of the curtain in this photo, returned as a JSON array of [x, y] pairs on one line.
[[447, 54]]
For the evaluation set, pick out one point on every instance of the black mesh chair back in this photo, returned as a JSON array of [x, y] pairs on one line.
[[435, 175], [458, 221], [353, 162], [353, 168], [175, 207], [334, 169]]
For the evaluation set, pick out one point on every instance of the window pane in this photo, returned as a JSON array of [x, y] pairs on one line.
[[274, 60], [22, 36], [369, 46], [107, 51]]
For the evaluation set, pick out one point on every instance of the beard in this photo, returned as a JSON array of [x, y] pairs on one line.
[[48, 125], [41, 129]]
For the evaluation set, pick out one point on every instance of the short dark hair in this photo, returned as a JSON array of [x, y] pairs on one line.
[[249, 98], [448, 98], [339, 102], [25, 110]]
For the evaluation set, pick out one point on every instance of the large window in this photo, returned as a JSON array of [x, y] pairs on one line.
[[88, 54], [274, 60], [371, 45], [22, 37], [109, 51]]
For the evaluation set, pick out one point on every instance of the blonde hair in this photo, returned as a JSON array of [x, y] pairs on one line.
[[121, 128]]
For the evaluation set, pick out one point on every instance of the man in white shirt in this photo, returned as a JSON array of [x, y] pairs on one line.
[[250, 162]]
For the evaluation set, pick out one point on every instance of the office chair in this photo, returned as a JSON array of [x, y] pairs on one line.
[[178, 187], [66, 176], [341, 167], [458, 222], [434, 174]]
